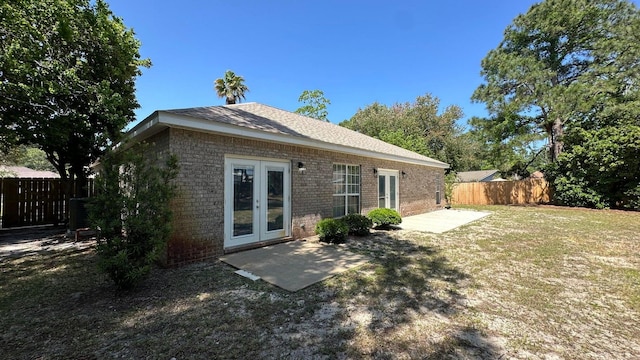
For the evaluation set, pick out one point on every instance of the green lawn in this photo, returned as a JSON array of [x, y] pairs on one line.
[[524, 282]]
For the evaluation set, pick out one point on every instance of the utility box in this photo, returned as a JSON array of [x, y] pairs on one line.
[[78, 216]]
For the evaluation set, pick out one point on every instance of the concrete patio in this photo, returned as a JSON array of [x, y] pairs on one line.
[[441, 221], [297, 264]]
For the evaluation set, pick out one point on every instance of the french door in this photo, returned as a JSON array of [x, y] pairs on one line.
[[388, 189], [257, 201]]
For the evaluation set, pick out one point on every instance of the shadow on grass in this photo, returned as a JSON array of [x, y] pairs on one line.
[[19, 243], [408, 296], [465, 343], [57, 305]]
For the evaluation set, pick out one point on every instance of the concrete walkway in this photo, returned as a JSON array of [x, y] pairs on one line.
[[441, 220]]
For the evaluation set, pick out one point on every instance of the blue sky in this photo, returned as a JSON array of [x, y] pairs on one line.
[[357, 52]]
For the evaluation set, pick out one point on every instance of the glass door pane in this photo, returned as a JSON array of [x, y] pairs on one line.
[[257, 201], [243, 199], [392, 192], [275, 199], [382, 188]]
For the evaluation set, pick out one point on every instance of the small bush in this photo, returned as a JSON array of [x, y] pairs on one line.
[[332, 231], [383, 218], [358, 224]]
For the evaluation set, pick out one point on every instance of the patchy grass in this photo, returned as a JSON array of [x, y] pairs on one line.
[[525, 282]]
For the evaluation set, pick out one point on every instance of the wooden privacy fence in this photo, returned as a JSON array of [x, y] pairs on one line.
[[30, 202], [521, 192]]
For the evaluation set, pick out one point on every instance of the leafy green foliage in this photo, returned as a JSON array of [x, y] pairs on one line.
[[420, 127], [568, 71], [359, 225], [555, 64], [513, 150], [231, 87], [599, 168], [541, 75], [333, 231], [6, 173], [383, 218], [413, 142], [132, 213], [67, 79], [450, 182], [27, 156], [315, 104]]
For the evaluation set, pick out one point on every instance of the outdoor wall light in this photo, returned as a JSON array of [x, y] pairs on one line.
[[375, 171], [301, 168], [404, 174]]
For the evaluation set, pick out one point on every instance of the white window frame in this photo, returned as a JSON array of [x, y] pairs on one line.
[[348, 185]]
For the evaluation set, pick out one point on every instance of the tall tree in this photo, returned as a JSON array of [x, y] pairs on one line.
[[419, 127], [542, 76], [514, 151], [67, 79], [570, 70], [231, 87], [315, 104]]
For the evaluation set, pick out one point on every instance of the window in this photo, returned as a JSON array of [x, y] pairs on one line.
[[346, 189]]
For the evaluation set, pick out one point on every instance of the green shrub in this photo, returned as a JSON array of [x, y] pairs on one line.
[[598, 167], [131, 211], [358, 224], [333, 231], [383, 218], [450, 184]]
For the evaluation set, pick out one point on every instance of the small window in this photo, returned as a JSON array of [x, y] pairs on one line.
[[346, 189]]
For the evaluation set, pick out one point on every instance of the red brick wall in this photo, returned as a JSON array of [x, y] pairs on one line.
[[199, 206]]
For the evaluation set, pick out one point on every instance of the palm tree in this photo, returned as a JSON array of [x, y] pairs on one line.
[[231, 86]]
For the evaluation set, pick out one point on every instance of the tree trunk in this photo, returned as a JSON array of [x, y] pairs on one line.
[[68, 191], [556, 144], [81, 190]]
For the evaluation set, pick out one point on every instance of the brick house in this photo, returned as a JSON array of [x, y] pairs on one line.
[[251, 175]]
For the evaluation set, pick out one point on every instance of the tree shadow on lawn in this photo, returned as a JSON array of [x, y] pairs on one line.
[[407, 301], [57, 305], [21, 243]]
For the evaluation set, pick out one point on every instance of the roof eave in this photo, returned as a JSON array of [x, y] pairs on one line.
[[160, 120], [146, 128]]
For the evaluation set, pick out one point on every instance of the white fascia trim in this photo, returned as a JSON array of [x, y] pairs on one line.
[[149, 122], [193, 123]]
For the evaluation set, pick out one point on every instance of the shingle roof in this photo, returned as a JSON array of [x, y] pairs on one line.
[[267, 119], [473, 176], [25, 172]]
